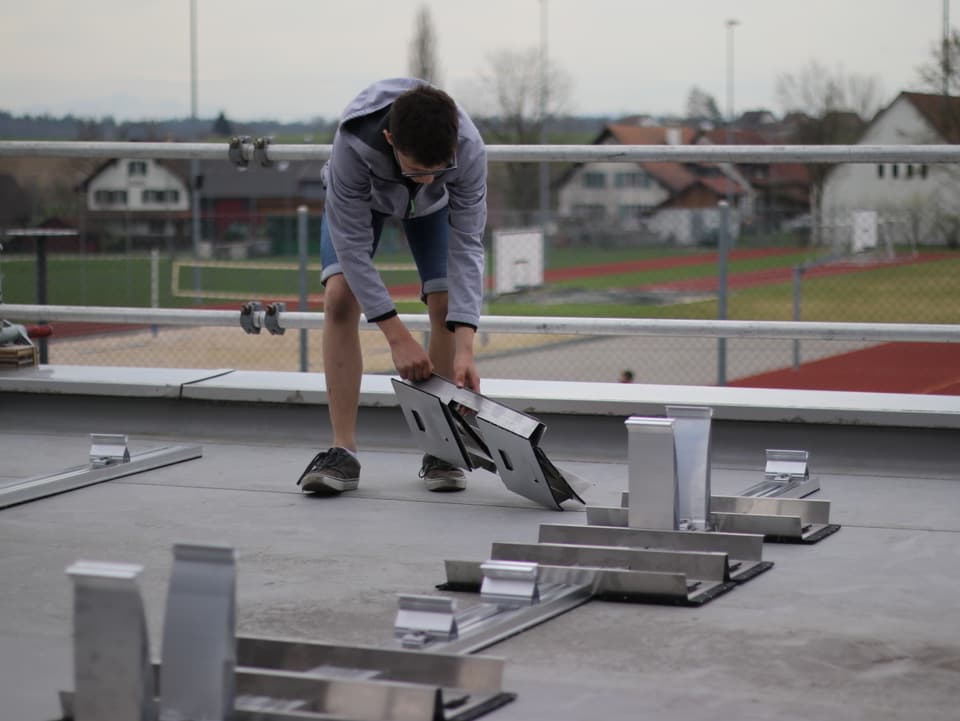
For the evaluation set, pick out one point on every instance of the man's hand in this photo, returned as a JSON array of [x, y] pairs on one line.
[[409, 357], [465, 373]]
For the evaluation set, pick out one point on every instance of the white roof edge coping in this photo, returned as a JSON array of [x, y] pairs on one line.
[[531, 396]]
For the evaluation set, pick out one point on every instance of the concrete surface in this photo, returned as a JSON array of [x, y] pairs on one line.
[[860, 626]]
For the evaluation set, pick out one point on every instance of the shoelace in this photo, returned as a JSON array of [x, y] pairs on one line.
[[320, 460]]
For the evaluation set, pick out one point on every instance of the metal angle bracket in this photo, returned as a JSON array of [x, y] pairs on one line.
[[510, 583], [107, 449], [471, 431], [423, 619]]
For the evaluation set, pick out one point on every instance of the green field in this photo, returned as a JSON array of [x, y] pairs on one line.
[[920, 293]]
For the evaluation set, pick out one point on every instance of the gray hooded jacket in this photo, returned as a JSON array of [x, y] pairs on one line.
[[362, 175]]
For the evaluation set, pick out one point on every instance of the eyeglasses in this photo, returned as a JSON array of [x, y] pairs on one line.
[[415, 174]]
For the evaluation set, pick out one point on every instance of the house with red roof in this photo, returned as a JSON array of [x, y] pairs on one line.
[[652, 202]]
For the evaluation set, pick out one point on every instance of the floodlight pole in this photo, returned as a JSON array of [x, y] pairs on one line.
[[725, 236], [544, 195], [194, 162]]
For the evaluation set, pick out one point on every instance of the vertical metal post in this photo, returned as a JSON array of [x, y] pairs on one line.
[[691, 428], [154, 284], [797, 277], [41, 270], [194, 163], [302, 245], [197, 673], [544, 177], [722, 251], [113, 678], [652, 470]]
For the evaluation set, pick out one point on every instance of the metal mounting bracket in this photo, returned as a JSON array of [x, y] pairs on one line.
[[786, 475], [502, 440], [107, 449]]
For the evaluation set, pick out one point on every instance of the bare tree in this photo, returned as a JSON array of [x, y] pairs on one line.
[[423, 48], [510, 98], [834, 105], [941, 73], [703, 106]]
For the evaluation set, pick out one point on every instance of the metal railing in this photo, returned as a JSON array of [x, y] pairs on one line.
[[878, 332], [253, 151]]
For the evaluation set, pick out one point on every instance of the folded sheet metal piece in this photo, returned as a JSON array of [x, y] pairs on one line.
[[472, 431]]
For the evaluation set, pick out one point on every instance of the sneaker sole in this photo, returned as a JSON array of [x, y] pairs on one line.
[[445, 485], [326, 484]]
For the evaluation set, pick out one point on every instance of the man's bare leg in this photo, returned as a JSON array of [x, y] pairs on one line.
[[342, 359], [441, 345]]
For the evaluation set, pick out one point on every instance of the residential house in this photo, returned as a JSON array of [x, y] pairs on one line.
[[646, 202], [133, 203], [904, 202]]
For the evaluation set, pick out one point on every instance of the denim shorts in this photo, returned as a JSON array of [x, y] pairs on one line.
[[426, 236]]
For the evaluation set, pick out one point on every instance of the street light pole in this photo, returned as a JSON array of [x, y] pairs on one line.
[[544, 195], [194, 163], [726, 208]]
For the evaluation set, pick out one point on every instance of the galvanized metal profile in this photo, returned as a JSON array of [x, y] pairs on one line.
[[654, 327], [691, 429], [199, 650], [801, 520], [248, 151], [652, 470], [113, 676], [472, 673], [745, 550], [38, 487]]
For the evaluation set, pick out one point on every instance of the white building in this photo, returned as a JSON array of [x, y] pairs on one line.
[[896, 203]]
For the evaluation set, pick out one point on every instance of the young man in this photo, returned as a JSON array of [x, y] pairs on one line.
[[405, 150]]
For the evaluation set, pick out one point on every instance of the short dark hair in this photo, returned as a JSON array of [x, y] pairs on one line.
[[424, 125]]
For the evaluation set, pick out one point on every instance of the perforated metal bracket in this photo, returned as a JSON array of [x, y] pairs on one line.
[[502, 440], [107, 449]]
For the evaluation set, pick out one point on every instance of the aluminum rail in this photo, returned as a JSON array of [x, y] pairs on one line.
[[509, 153], [927, 333]]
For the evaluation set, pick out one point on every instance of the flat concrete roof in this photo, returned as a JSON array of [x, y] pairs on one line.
[[859, 626]]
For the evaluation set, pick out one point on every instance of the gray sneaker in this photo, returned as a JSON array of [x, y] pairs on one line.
[[441, 476], [330, 471]]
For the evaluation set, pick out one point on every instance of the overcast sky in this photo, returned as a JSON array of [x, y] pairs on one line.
[[298, 59]]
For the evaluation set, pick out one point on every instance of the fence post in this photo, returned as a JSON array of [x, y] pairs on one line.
[[797, 276], [302, 219], [722, 250], [154, 284]]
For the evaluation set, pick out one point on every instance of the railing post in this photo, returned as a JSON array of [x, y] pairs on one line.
[[302, 245], [723, 246]]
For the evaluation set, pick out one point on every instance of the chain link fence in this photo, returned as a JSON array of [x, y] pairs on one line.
[[610, 258]]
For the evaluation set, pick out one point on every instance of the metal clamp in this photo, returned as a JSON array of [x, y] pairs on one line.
[[250, 317], [510, 583], [271, 318], [786, 466], [236, 154], [107, 449], [422, 619], [260, 152]]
